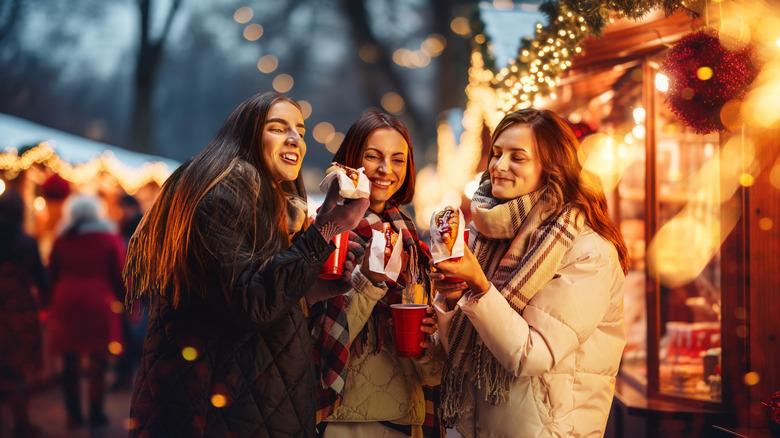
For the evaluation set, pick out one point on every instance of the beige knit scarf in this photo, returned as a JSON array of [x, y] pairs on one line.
[[519, 250]]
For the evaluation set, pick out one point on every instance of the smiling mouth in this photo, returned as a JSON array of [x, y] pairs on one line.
[[292, 158], [382, 183]]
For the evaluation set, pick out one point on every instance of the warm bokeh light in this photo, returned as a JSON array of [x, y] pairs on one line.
[[704, 73], [460, 26], [117, 307], [39, 203], [368, 53], [243, 14], [393, 103], [218, 400], [268, 63], [189, 353], [480, 39], [323, 132], [335, 142], [115, 348], [752, 378], [605, 157], [434, 45], [305, 109], [2, 187], [253, 32], [402, 57], [746, 180], [130, 423], [765, 224], [730, 114], [774, 174], [639, 115], [283, 83], [661, 82]]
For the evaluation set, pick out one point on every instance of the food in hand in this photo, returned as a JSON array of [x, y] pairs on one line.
[[350, 172], [391, 237], [447, 222]]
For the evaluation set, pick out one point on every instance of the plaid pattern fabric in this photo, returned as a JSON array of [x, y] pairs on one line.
[[520, 248], [331, 349]]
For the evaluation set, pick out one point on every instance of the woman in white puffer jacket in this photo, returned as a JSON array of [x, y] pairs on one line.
[[534, 332]]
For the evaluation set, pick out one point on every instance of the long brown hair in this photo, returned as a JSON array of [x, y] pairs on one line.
[[351, 151], [167, 255], [562, 173]]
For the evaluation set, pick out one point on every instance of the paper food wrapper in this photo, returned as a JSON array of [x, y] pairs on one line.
[[376, 256], [439, 250], [347, 189]]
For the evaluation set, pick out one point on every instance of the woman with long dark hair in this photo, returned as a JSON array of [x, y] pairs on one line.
[[535, 332], [368, 389], [226, 253]]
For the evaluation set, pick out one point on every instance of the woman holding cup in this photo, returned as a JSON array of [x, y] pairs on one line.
[[380, 393], [534, 332]]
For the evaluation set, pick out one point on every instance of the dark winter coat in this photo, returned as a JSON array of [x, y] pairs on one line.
[[20, 331], [243, 370]]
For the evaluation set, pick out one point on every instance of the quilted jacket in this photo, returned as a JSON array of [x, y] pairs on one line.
[[244, 371], [383, 386]]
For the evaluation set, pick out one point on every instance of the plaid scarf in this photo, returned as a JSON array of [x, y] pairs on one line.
[[331, 334], [520, 248]]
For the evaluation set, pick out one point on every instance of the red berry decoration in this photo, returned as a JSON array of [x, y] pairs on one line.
[[703, 76]]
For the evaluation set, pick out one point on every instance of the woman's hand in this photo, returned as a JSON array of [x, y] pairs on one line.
[[428, 327], [466, 268]]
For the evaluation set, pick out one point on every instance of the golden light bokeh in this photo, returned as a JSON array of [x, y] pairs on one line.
[[117, 307], [461, 26], [243, 14], [704, 73], [218, 400], [130, 423], [393, 103], [268, 63], [283, 83], [305, 109], [2, 187], [189, 353], [323, 132], [253, 32], [434, 45], [774, 174], [39, 203], [765, 224], [334, 143], [368, 53], [115, 348], [752, 378]]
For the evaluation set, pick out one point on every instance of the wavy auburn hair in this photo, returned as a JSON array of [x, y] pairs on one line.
[[351, 151], [562, 174], [167, 255]]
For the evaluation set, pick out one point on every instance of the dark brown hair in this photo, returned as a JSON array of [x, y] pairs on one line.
[[566, 181], [351, 151], [167, 254]]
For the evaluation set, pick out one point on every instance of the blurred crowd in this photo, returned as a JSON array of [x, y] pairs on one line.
[[62, 310]]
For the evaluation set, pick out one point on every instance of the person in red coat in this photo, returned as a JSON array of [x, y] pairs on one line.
[[86, 271]]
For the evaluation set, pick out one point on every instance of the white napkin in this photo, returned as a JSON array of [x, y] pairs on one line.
[[347, 188], [439, 250], [376, 260]]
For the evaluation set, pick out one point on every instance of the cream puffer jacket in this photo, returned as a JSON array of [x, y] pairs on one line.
[[383, 386], [564, 350]]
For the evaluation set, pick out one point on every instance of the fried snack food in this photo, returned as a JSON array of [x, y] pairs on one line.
[[351, 173], [447, 222], [391, 237]]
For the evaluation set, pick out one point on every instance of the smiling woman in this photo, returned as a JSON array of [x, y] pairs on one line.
[[226, 255]]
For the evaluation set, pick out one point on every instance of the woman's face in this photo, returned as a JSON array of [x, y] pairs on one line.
[[515, 168], [282, 141], [384, 160]]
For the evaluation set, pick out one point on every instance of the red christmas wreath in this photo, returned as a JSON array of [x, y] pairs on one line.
[[703, 76]]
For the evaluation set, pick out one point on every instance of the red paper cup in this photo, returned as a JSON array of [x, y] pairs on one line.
[[455, 259], [334, 266], [407, 319]]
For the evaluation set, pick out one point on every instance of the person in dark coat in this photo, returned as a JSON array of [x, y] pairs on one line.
[[86, 271], [21, 272], [227, 254]]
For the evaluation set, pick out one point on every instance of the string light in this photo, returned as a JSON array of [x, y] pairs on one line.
[[131, 179]]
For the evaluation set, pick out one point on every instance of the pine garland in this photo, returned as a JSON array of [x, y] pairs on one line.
[[543, 58]]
